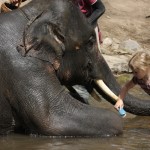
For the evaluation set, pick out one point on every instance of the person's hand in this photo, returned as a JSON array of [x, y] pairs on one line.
[[119, 104]]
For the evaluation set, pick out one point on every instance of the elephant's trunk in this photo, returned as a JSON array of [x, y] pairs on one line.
[[132, 104]]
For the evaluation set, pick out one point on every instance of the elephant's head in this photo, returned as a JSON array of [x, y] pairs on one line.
[[68, 44]]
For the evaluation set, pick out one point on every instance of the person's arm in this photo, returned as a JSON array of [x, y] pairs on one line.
[[123, 92], [98, 10]]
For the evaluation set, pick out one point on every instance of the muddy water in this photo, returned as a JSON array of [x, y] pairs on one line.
[[136, 136]]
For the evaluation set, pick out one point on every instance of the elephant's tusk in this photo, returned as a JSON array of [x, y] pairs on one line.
[[105, 89]]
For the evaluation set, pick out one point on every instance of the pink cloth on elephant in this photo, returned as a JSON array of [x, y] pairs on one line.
[[85, 6]]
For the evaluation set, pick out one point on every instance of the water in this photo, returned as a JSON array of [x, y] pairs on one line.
[[136, 136]]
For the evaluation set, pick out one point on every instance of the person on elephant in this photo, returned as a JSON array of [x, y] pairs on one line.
[[140, 66], [93, 10]]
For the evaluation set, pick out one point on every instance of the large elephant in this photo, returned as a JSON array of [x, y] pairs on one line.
[[45, 46]]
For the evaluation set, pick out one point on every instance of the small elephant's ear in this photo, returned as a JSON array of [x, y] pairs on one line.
[[42, 39]]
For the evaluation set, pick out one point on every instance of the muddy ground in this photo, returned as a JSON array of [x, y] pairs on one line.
[[126, 19]]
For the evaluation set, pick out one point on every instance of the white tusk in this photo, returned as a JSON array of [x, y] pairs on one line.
[[105, 89], [97, 38]]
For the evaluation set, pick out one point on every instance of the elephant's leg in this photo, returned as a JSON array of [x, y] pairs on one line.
[[77, 119], [6, 118], [46, 108]]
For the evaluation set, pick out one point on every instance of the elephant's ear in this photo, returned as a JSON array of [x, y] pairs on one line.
[[42, 39]]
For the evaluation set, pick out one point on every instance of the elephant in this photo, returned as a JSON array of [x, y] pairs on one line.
[[46, 46]]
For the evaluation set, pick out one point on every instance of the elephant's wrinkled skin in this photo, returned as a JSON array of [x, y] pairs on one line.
[[43, 46]]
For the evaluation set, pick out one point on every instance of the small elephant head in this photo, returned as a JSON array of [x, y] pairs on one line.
[[65, 38]]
